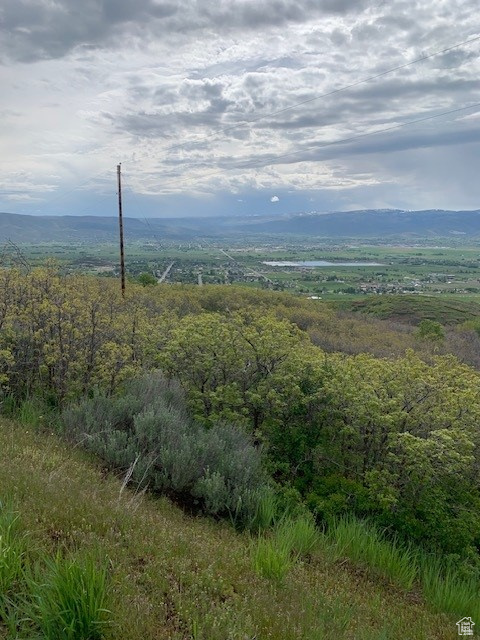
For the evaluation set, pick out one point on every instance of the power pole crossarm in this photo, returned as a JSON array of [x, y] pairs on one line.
[[120, 223]]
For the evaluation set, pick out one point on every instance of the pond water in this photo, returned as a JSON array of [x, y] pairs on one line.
[[321, 263]]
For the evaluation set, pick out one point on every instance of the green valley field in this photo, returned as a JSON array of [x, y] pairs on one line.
[[449, 269]]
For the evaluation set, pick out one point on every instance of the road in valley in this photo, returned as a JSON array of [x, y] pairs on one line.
[[165, 273], [255, 273]]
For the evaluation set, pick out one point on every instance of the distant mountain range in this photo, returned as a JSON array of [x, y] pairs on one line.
[[371, 223]]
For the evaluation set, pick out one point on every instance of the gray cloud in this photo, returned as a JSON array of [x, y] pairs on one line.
[[206, 106], [167, 86], [388, 101], [203, 104], [391, 143], [381, 146], [43, 29], [50, 30]]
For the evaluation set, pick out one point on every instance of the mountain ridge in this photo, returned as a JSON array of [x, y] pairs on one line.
[[364, 223]]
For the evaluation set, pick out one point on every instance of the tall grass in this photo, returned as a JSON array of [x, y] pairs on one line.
[[12, 559], [448, 592], [271, 560], [266, 510], [12, 549], [63, 599], [69, 599], [180, 576], [292, 538], [442, 586], [33, 411], [365, 544], [298, 536]]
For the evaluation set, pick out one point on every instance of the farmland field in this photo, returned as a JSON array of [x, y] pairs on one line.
[[400, 269]]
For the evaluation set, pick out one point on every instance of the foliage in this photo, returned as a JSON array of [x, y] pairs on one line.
[[148, 432], [415, 308], [392, 438], [146, 279], [168, 571], [447, 591], [242, 367], [430, 330], [61, 337]]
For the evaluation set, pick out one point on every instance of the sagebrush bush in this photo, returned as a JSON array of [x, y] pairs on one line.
[[147, 429]]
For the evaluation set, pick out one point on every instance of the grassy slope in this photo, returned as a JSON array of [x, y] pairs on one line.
[[413, 309], [175, 577]]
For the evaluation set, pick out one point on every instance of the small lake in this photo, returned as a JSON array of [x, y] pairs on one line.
[[322, 263]]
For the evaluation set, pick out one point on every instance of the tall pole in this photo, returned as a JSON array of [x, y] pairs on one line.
[[120, 223]]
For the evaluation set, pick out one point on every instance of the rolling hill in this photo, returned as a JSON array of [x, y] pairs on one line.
[[340, 224]]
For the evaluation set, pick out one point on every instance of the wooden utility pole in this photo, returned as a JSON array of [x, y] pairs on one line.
[[120, 222]]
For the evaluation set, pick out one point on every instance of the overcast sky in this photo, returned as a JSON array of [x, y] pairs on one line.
[[170, 89]]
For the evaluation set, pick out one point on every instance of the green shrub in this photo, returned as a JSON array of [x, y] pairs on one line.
[[334, 495], [148, 431], [392, 439], [430, 330], [69, 599], [146, 279]]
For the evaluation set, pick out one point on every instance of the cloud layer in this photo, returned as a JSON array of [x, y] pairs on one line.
[[181, 93]]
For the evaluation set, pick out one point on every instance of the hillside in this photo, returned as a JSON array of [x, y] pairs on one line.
[[173, 389], [413, 309], [25, 228], [372, 224], [352, 224], [177, 577]]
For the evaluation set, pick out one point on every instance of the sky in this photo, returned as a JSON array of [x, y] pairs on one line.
[[218, 107]]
